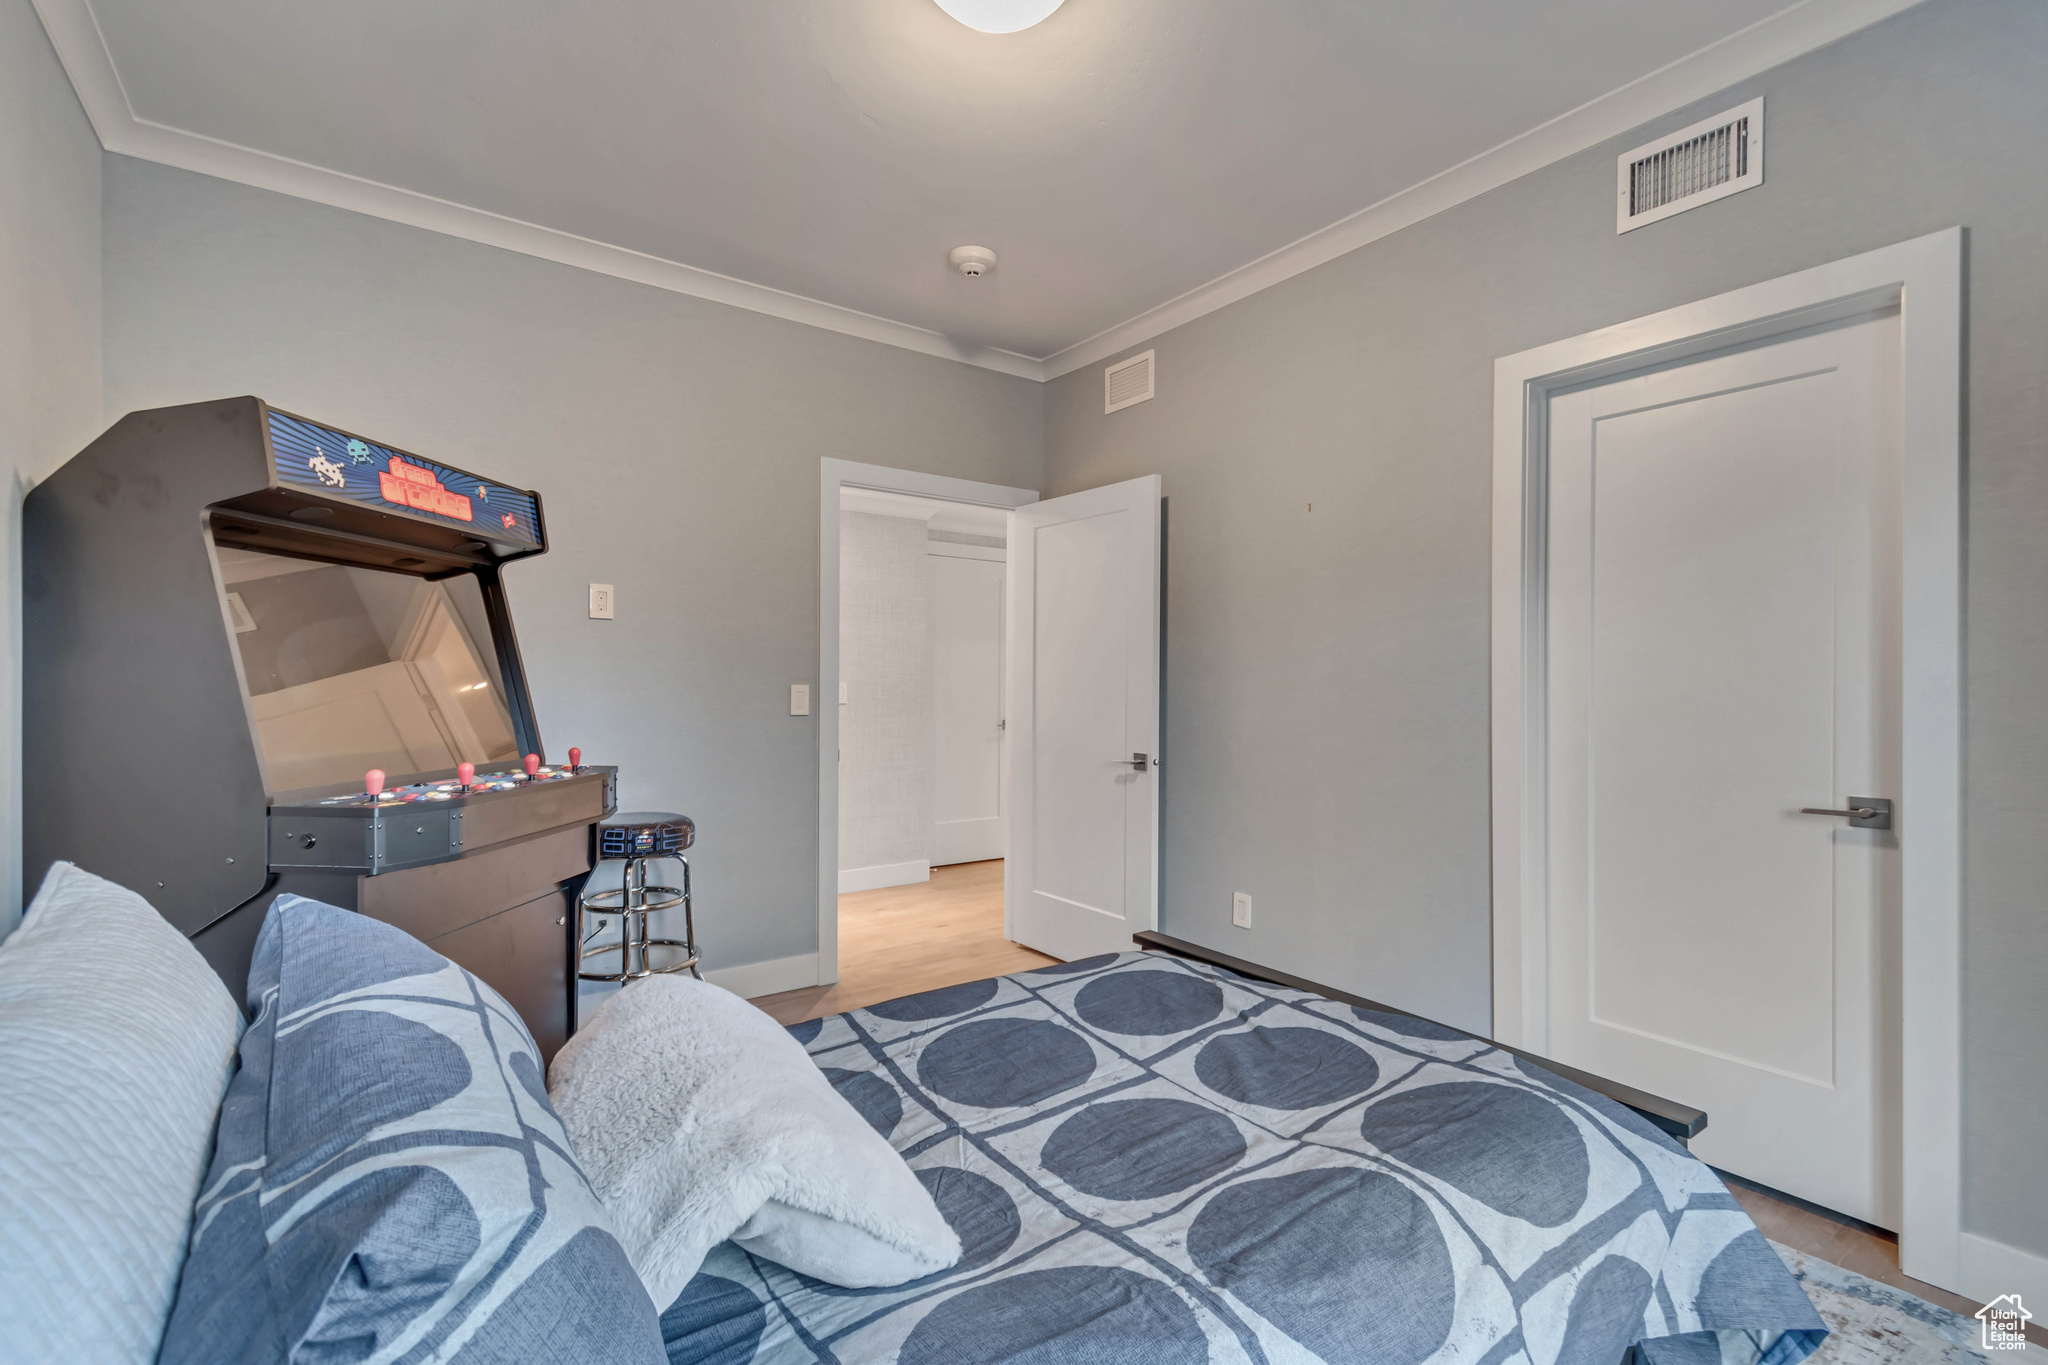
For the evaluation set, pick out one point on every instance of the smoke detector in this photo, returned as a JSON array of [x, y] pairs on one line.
[[972, 261]]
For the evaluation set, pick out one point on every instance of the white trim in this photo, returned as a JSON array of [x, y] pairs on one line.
[[1991, 1268], [1767, 43], [883, 875], [82, 49], [831, 475], [876, 503], [1924, 276], [780, 974], [947, 549]]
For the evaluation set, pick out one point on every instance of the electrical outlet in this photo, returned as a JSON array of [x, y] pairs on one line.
[[799, 699], [600, 601], [1241, 909]]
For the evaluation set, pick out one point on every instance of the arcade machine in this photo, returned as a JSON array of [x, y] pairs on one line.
[[264, 656]]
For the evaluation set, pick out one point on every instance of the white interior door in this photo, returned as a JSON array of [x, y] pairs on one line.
[[967, 702], [1722, 652], [1083, 719]]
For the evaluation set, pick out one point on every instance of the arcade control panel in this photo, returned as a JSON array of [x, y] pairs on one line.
[[379, 830]]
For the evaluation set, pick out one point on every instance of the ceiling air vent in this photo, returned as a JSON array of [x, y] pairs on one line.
[[1127, 382], [1711, 160]]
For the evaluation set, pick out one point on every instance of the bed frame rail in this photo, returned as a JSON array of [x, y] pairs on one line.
[[1681, 1121]]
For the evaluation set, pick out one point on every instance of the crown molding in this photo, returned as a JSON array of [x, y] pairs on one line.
[[1747, 52], [82, 49]]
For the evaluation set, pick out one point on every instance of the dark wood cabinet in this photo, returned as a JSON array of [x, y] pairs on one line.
[[523, 954], [504, 912]]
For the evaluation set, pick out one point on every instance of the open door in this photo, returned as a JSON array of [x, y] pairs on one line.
[[1083, 873]]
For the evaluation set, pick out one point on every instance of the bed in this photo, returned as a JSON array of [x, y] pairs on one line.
[[1138, 1159], [1155, 1159]]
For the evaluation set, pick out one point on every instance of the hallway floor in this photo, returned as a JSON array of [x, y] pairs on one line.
[[904, 939]]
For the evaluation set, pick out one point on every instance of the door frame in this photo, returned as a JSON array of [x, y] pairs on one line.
[[834, 475], [1923, 277]]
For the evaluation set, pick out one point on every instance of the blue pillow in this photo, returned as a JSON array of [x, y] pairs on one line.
[[388, 1179]]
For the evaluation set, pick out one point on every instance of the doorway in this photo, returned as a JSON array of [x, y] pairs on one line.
[[1077, 767], [920, 688], [1081, 655], [1726, 551], [922, 773], [911, 732]]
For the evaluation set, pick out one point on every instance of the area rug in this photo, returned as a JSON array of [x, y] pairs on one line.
[[1874, 1324]]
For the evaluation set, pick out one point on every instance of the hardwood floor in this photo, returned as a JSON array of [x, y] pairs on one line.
[[1836, 1237], [904, 939]]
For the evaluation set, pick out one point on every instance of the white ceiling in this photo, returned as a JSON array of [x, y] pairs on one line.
[[1116, 156], [940, 515]]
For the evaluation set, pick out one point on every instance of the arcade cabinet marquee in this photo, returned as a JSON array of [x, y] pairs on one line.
[[232, 615], [330, 462]]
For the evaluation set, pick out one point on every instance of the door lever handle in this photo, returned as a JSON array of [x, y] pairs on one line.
[[1864, 812], [1137, 762]]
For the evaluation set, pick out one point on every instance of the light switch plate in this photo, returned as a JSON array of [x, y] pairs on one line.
[[842, 691], [799, 699], [600, 601], [1241, 909]]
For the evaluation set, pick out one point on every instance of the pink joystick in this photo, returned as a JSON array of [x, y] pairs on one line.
[[465, 773], [576, 759], [532, 764], [373, 781]]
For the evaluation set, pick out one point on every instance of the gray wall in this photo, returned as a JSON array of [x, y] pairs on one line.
[[1327, 669], [885, 663], [49, 338], [1327, 702], [675, 442]]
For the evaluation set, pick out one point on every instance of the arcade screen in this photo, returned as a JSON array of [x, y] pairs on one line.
[[350, 669]]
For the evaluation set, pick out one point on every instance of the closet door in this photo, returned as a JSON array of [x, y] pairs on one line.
[[1722, 684], [967, 702]]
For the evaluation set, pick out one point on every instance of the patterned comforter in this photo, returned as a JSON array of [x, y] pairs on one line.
[[1158, 1162]]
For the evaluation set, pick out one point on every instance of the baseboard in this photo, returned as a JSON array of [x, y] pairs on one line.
[[1990, 1268], [883, 874], [766, 978], [967, 841]]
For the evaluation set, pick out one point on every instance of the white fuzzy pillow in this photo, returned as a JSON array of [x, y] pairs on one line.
[[116, 1043], [699, 1119]]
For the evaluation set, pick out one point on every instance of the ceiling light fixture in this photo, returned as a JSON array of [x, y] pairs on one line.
[[999, 16]]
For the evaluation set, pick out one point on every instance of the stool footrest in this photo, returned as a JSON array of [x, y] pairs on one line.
[[614, 903], [687, 964]]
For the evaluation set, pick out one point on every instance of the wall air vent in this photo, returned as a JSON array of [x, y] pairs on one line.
[[1711, 160], [1127, 382]]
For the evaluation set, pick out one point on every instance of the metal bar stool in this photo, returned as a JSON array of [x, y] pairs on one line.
[[639, 838]]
